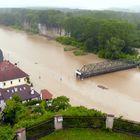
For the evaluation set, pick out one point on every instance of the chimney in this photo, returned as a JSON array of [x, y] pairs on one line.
[[32, 91], [41, 96], [15, 89]]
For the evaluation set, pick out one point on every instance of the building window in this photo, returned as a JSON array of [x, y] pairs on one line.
[[4, 84], [11, 82], [19, 80]]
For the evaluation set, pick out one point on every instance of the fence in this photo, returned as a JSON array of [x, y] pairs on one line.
[[128, 127], [40, 130], [84, 122], [59, 122], [15, 137]]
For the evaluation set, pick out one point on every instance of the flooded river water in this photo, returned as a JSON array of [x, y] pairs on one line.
[[52, 68]]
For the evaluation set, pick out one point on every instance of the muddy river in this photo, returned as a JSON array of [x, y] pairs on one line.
[[51, 68]]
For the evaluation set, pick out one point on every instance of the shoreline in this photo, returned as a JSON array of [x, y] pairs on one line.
[[54, 62]]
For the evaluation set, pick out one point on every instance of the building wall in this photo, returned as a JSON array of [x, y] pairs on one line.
[[11, 83]]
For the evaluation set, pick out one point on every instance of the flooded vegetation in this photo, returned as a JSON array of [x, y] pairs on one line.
[[53, 68]]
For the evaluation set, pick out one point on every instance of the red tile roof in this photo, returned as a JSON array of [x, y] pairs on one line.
[[46, 94], [9, 71]]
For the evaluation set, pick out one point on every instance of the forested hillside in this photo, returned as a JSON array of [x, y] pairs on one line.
[[111, 34]]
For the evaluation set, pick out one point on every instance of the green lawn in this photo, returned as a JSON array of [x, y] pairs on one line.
[[87, 134]]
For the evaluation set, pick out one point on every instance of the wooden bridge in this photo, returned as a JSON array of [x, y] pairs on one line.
[[105, 67]]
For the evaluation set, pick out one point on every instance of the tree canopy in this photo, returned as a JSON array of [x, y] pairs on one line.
[[107, 33]]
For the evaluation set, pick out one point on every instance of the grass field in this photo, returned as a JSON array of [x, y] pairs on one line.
[[87, 134]]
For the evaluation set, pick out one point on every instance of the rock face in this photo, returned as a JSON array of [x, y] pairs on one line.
[[50, 31], [1, 55]]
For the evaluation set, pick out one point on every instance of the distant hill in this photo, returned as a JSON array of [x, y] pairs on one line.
[[133, 9]]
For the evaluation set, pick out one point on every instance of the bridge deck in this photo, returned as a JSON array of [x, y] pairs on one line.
[[104, 67]]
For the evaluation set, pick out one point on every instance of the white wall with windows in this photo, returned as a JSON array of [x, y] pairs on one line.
[[11, 83]]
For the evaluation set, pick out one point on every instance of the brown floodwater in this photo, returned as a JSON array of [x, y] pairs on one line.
[[51, 68]]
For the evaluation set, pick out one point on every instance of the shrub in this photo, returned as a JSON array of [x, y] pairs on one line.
[[81, 111], [6, 133], [59, 103], [13, 110], [70, 41], [32, 102], [69, 48], [79, 52], [33, 119], [65, 40], [82, 117], [127, 126]]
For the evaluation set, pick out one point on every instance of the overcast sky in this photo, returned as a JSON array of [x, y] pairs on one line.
[[84, 4]]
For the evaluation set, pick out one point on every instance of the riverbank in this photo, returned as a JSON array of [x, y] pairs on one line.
[[39, 56]]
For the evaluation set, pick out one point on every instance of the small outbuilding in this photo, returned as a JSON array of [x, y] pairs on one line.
[[46, 95]]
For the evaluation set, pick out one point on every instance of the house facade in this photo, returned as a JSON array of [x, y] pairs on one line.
[[14, 81]]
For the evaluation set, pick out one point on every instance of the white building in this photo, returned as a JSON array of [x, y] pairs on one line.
[[14, 81]]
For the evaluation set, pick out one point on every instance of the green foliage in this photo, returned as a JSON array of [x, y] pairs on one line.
[[43, 106], [65, 40], [69, 48], [81, 111], [33, 119], [14, 110], [17, 26], [37, 106], [59, 103], [109, 38], [128, 56], [70, 41], [6, 133], [127, 126], [78, 47], [79, 52], [87, 134], [113, 48], [84, 122], [16, 98], [39, 128], [32, 102], [80, 117], [106, 33]]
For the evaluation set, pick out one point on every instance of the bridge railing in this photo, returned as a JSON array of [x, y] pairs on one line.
[[106, 67]]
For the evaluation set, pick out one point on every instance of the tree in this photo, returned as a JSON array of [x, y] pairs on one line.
[[14, 110], [42, 107], [114, 48], [93, 29], [6, 133], [59, 103]]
